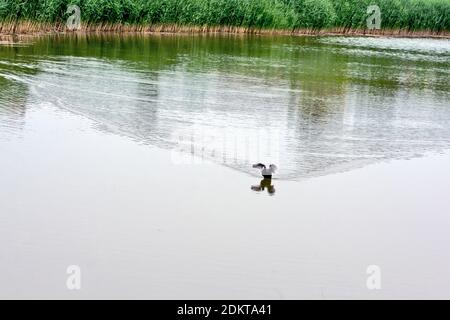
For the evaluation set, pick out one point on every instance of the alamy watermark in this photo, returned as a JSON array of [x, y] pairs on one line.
[[73, 281], [74, 20], [194, 145], [374, 20], [374, 279]]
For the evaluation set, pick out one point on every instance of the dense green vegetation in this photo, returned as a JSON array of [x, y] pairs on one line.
[[412, 15]]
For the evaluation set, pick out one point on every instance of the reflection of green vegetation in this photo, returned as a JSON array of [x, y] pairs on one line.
[[318, 73], [154, 52], [314, 77], [13, 96], [301, 61], [411, 15]]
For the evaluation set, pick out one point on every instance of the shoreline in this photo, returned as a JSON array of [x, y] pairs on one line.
[[29, 28]]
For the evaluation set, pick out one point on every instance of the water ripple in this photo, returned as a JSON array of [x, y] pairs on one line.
[[311, 116]]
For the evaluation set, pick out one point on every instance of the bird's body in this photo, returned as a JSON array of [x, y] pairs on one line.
[[266, 172]]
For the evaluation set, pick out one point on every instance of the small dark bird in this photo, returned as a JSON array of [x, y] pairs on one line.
[[266, 172]]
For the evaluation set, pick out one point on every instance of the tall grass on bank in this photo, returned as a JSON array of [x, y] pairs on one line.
[[408, 15]]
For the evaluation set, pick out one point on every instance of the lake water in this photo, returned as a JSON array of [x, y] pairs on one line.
[[131, 156]]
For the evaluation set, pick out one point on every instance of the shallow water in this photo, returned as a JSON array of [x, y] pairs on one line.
[[310, 105], [96, 141]]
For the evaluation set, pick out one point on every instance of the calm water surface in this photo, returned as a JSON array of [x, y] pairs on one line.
[[130, 156]]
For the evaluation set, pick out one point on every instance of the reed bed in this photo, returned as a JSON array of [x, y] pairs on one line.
[[399, 17]]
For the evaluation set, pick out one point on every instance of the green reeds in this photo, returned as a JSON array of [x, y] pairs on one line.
[[288, 15]]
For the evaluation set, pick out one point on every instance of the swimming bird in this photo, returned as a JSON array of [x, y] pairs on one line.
[[266, 172]]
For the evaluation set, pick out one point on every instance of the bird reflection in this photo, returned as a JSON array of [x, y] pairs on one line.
[[265, 183]]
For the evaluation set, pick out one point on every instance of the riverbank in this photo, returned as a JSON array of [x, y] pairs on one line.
[[36, 28], [345, 17]]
